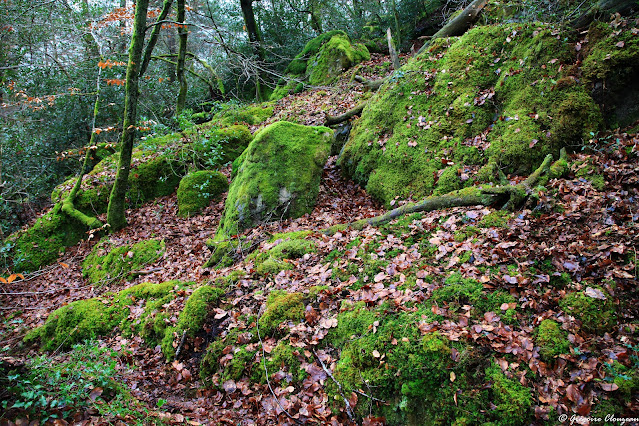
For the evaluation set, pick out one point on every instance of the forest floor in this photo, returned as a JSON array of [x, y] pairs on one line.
[[575, 229]]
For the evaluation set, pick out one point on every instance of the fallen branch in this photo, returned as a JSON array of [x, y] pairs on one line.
[[371, 85], [331, 120], [349, 410], [511, 196], [144, 272], [460, 24], [179, 348]]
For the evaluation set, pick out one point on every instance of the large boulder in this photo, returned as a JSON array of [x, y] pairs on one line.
[[500, 97], [321, 62], [198, 189], [277, 176]]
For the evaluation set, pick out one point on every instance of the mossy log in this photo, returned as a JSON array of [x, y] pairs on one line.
[[332, 120], [460, 24], [603, 9], [510, 195]]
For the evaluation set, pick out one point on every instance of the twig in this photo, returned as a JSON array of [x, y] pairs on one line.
[[179, 348], [349, 410], [268, 382], [368, 396]]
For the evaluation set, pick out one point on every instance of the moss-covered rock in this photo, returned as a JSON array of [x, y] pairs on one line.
[[489, 96], [281, 306], [278, 177], [108, 263], [42, 243], [335, 56], [198, 189], [320, 62], [85, 319], [226, 253], [552, 340]]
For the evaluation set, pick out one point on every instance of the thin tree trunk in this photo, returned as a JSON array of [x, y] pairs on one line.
[[181, 59], [255, 39], [392, 51], [155, 34], [116, 210]]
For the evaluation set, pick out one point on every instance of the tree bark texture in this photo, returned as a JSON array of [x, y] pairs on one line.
[[603, 9], [181, 59], [391, 49], [116, 210], [155, 34], [255, 38]]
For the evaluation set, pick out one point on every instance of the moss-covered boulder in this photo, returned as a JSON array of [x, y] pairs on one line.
[[198, 189], [278, 176], [110, 263], [551, 339], [502, 94], [85, 319], [42, 243], [320, 62], [335, 56], [281, 306]]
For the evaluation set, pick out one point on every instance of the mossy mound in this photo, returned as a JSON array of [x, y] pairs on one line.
[[192, 318], [321, 62], [498, 94], [595, 315], [281, 306], [107, 263], [198, 189], [288, 246], [278, 177], [250, 114], [85, 319], [385, 354], [42, 243], [552, 340]]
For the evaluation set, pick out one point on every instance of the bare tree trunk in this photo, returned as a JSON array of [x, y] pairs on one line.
[[255, 39], [603, 9], [155, 34], [392, 51], [116, 210]]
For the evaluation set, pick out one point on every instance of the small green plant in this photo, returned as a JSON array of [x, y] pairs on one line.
[[86, 377]]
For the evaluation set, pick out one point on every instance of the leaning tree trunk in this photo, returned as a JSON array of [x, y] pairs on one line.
[[181, 59], [460, 24], [116, 210], [155, 34]]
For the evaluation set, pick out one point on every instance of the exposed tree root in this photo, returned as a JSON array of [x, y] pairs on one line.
[[371, 85], [509, 196], [331, 120]]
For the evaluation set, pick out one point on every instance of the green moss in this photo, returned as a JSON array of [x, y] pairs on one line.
[[249, 114], [213, 147], [512, 399], [589, 172], [335, 56], [107, 263], [42, 243], [298, 65], [272, 266], [198, 189], [227, 252], [496, 219], [552, 340], [491, 173], [85, 319], [217, 354], [281, 306], [465, 233], [448, 181], [595, 314], [385, 354], [279, 176], [442, 103]]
